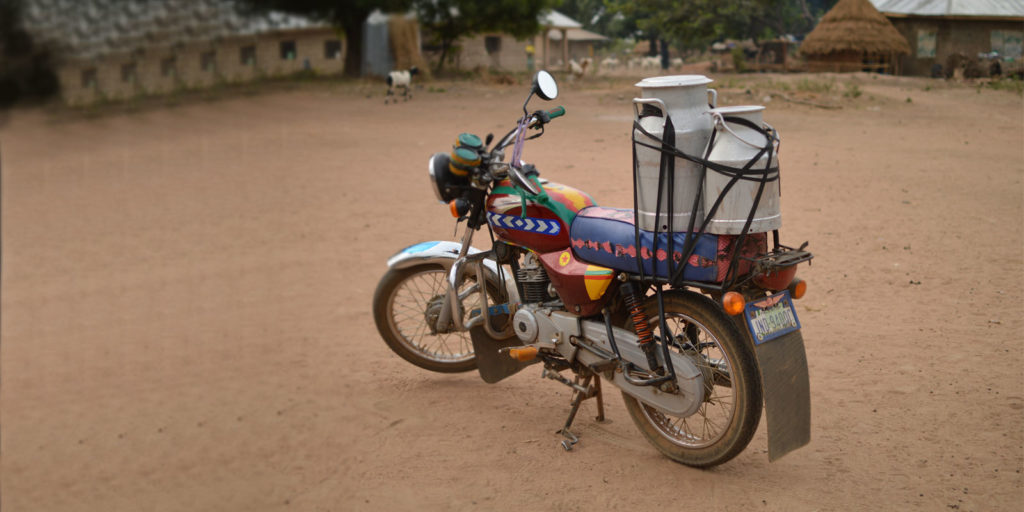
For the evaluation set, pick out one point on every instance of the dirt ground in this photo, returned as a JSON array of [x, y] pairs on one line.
[[186, 307]]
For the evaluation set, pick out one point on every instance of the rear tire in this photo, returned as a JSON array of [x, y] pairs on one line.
[[401, 305], [731, 411]]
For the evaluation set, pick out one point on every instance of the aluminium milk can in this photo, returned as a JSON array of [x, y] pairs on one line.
[[685, 98], [735, 145]]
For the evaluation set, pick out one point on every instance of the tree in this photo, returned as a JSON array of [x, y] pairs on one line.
[[696, 23], [599, 16], [347, 14], [448, 20], [26, 70]]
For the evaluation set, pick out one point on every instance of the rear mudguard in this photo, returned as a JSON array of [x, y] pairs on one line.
[[444, 253], [786, 385]]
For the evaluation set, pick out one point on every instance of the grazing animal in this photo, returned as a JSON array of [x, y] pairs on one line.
[[578, 69], [400, 78], [609, 64], [650, 62]]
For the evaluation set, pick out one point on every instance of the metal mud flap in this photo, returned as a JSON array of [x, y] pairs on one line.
[[493, 365], [787, 391]]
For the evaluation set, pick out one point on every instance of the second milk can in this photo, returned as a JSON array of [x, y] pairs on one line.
[[685, 99], [735, 146]]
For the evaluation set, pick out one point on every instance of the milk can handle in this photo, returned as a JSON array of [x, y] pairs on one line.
[[719, 122], [713, 94], [649, 101]]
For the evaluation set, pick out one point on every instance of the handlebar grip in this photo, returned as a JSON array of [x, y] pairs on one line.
[[556, 112]]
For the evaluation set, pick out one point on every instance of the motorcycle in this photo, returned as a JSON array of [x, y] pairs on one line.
[[697, 343]]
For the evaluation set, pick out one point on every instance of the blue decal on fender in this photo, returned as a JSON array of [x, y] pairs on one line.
[[530, 224], [420, 247]]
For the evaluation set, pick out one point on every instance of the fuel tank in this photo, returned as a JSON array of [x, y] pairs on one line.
[[545, 225]]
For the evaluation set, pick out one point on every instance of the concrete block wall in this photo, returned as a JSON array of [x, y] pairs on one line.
[[188, 73], [951, 36], [510, 57]]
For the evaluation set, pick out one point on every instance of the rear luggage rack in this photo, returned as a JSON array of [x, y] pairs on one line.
[[779, 258]]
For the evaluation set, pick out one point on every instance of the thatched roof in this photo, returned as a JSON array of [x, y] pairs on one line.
[[854, 25]]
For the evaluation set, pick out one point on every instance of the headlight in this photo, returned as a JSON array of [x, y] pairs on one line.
[[446, 185]]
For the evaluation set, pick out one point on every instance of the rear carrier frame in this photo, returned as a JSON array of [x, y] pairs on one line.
[[757, 174]]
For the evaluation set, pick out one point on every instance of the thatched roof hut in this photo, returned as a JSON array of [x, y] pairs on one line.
[[853, 36]]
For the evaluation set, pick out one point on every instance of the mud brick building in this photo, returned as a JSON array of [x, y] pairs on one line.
[[116, 50], [949, 33]]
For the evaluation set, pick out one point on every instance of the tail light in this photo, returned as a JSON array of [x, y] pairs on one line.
[[776, 280]]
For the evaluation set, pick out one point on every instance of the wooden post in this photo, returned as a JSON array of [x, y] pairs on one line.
[[547, 45], [565, 49]]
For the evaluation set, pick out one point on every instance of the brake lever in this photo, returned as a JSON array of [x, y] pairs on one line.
[[542, 118]]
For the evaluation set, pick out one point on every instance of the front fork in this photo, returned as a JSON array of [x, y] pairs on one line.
[[451, 306]]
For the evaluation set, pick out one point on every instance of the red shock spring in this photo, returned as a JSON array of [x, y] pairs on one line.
[[643, 330]]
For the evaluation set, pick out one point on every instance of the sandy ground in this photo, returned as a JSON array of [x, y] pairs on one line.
[[186, 308]]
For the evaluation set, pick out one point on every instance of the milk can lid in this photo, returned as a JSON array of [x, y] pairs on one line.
[[673, 81], [737, 109]]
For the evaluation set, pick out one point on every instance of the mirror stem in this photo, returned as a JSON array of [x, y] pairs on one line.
[[526, 112]]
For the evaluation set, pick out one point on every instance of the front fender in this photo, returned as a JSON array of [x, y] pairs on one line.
[[444, 253]]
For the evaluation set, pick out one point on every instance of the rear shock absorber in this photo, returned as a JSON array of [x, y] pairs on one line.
[[640, 325]]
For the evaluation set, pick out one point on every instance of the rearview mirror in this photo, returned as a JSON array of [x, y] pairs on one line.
[[545, 86]]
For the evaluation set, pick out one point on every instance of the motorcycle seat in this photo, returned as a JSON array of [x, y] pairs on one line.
[[607, 237]]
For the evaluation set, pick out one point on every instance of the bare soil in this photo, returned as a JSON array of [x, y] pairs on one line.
[[186, 307]]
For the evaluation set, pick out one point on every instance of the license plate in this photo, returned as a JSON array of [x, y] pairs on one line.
[[771, 317]]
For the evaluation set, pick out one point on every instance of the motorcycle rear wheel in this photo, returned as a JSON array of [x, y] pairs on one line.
[[731, 411], [401, 305]]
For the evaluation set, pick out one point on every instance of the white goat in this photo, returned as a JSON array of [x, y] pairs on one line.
[[400, 78], [653, 62], [609, 64], [578, 69]]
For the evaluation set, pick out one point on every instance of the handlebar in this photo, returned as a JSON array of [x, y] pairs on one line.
[[539, 118], [558, 111]]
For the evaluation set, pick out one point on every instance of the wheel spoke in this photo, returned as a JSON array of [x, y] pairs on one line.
[[705, 427], [418, 297]]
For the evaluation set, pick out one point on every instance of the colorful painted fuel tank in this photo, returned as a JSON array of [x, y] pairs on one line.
[[545, 227]]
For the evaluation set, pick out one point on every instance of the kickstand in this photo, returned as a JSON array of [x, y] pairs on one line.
[[581, 391]]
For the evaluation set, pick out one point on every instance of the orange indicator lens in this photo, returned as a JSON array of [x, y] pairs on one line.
[[798, 288], [733, 303]]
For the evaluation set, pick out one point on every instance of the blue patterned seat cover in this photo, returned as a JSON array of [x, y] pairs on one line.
[[606, 237]]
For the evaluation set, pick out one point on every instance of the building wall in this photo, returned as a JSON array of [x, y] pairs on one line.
[[510, 56], [153, 76], [951, 36]]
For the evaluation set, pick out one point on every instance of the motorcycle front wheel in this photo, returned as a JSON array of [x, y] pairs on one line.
[[406, 303], [731, 408]]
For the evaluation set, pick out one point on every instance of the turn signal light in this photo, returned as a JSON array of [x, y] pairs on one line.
[[458, 207], [523, 354], [797, 288], [733, 303]]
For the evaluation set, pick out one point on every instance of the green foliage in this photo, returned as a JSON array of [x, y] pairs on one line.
[[601, 16], [449, 20], [739, 61], [1008, 84], [697, 23], [815, 86], [852, 91], [26, 68]]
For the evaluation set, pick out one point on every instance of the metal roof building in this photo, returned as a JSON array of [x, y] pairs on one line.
[[948, 37]]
